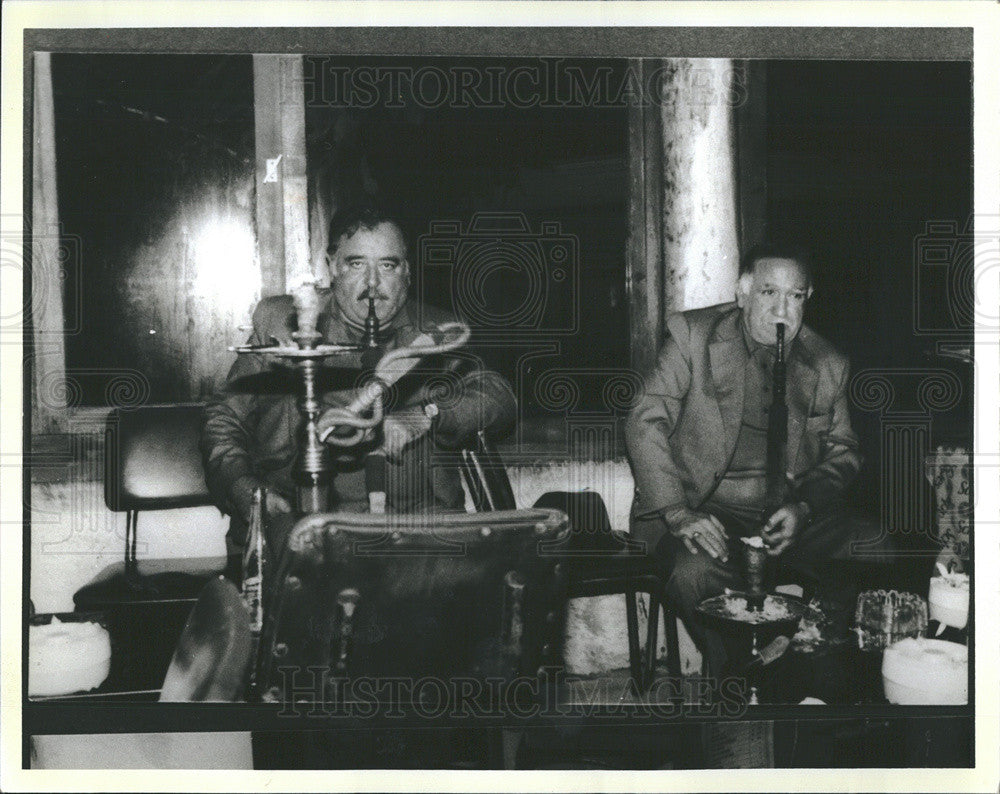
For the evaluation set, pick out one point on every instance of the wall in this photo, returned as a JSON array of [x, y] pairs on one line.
[[156, 205], [74, 536]]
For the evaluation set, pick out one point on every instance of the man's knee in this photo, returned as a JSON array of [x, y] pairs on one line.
[[840, 535], [694, 576]]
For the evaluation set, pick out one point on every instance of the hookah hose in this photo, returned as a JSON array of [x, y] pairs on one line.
[[387, 372]]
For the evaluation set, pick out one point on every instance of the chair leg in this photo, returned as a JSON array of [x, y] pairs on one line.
[[634, 652], [652, 621], [673, 642]]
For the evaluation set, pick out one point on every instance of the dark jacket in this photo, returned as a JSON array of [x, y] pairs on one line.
[[682, 433], [251, 426]]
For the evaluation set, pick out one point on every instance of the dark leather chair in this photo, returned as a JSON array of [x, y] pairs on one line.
[[447, 595], [598, 560], [382, 614], [593, 559], [151, 462]]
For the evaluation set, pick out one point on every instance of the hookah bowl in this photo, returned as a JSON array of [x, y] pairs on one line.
[[754, 561]]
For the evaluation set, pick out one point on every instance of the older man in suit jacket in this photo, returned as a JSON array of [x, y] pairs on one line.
[[697, 440]]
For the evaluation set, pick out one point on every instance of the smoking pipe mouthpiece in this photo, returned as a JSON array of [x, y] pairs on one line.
[[371, 322]]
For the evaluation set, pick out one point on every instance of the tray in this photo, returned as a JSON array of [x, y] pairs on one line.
[[720, 608]]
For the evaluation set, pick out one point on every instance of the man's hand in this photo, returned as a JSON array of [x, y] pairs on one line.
[[783, 527], [242, 496], [699, 529], [402, 428]]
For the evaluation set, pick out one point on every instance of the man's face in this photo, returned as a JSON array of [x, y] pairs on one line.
[[775, 292], [370, 259]]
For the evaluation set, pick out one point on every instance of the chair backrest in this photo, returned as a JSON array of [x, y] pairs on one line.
[[591, 530], [448, 596], [486, 476], [152, 460]]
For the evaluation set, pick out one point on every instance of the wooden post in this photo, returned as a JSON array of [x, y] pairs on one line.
[[644, 257], [293, 169], [48, 354], [700, 238], [684, 219], [282, 201]]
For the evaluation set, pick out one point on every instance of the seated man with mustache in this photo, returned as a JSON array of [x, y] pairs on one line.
[[250, 435]]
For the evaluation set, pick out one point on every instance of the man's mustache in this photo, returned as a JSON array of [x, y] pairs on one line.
[[378, 296]]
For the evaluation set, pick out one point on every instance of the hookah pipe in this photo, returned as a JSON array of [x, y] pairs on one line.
[[375, 470], [371, 398], [373, 359], [775, 471], [313, 465], [777, 432], [371, 321]]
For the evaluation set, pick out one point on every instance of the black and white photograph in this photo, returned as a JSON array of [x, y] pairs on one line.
[[611, 403]]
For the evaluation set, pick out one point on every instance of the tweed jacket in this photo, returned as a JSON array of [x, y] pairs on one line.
[[681, 435]]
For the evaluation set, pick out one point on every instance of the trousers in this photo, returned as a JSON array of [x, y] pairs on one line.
[[836, 535]]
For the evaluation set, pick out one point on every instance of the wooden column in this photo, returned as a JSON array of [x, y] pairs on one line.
[[48, 354], [700, 228], [686, 221], [282, 201], [644, 257]]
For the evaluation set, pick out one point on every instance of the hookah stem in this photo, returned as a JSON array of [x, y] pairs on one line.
[[372, 350], [371, 323], [313, 463], [777, 431], [774, 471]]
